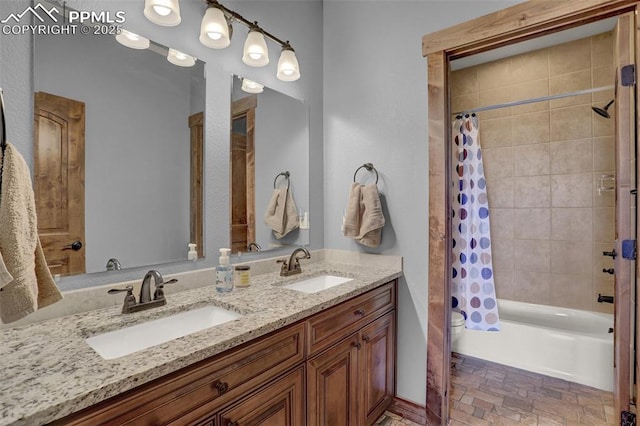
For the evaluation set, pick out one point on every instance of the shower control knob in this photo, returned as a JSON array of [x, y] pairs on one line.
[[611, 253], [609, 271]]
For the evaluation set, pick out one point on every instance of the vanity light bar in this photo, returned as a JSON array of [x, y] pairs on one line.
[[216, 32]]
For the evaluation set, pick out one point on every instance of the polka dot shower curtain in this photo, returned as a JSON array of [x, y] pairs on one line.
[[473, 290]]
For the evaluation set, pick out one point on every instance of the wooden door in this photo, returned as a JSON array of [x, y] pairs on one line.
[[281, 403], [376, 367], [196, 126], [59, 181], [332, 385], [625, 182], [242, 180]]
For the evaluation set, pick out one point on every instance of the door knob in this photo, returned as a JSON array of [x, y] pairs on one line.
[[75, 246]]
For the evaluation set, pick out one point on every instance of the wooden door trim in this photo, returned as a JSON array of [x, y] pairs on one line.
[[196, 196], [517, 23]]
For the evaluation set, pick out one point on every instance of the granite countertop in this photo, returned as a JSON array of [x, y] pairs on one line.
[[49, 371]]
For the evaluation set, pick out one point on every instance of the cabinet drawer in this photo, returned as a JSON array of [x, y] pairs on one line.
[[334, 324], [206, 385]]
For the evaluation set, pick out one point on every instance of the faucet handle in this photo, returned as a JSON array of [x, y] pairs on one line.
[[159, 293], [129, 299]]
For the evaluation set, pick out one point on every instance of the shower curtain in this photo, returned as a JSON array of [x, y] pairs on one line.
[[473, 290]]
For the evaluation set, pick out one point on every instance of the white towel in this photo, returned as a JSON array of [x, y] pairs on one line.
[[282, 214], [32, 286], [364, 218]]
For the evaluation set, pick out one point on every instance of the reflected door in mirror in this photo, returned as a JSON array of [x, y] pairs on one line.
[[196, 126], [59, 125], [242, 185]]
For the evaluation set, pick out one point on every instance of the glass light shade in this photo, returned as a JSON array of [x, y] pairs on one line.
[[255, 52], [180, 59], [288, 69], [251, 86], [214, 30], [163, 12], [134, 41]]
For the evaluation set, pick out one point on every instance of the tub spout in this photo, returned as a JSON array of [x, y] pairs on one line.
[[605, 299]]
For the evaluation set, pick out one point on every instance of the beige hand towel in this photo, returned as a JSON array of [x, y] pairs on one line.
[[372, 220], [351, 226], [290, 220], [364, 219], [282, 214], [32, 286]]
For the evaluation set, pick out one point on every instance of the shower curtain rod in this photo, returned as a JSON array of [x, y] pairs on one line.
[[532, 100]]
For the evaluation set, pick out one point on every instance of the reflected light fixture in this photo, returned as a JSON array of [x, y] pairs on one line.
[[132, 40], [180, 59], [251, 86], [163, 12], [216, 32]]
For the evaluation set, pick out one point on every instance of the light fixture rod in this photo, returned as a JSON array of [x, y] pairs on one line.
[[246, 22]]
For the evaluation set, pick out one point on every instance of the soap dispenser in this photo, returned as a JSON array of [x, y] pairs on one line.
[[224, 272], [192, 254]]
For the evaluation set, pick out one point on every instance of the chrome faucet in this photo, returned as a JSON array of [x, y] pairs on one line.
[[113, 264], [253, 247], [144, 301], [293, 266]]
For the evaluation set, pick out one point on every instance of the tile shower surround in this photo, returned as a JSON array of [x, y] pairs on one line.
[[542, 162]]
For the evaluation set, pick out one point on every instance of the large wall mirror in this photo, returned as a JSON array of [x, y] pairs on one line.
[[269, 163], [140, 117]]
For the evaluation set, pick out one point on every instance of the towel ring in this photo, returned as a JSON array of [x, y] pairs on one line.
[[286, 175], [369, 167]]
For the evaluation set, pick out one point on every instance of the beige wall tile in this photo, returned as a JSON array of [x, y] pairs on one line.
[[532, 255], [498, 162], [572, 224], [530, 66], [503, 279], [604, 126], [571, 190], [532, 287], [532, 191], [602, 49], [569, 57], [604, 154], [571, 123], [500, 192], [530, 128], [464, 81], [495, 97], [530, 90], [571, 156], [571, 257], [566, 83], [495, 132], [602, 198], [502, 223], [464, 102], [531, 160], [496, 74], [532, 224], [604, 224], [502, 254], [571, 291], [601, 77]]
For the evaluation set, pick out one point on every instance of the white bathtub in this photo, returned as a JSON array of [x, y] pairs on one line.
[[566, 343]]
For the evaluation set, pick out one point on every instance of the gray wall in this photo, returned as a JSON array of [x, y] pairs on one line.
[[295, 21], [136, 145], [375, 110]]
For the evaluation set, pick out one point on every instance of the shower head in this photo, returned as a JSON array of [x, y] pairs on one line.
[[603, 111]]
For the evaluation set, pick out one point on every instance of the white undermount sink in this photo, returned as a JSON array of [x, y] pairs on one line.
[[316, 284], [125, 341]]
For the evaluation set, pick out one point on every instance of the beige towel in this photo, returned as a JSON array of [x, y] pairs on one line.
[[282, 214], [364, 218], [32, 286]]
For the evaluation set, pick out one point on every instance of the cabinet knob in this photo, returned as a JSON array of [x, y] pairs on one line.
[[356, 345], [222, 386], [359, 312], [366, 339], [230, 423]]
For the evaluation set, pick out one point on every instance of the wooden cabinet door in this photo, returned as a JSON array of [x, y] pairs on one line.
[[279, 404], [332, 385], [376, 367]]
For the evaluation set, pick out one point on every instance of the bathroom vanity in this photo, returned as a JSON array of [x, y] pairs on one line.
[[292, 358]]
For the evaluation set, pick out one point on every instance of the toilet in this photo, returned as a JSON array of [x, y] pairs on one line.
[[457, 326]]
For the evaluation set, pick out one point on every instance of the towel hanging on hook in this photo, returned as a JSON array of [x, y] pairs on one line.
[[369, 167], [286, 175]]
